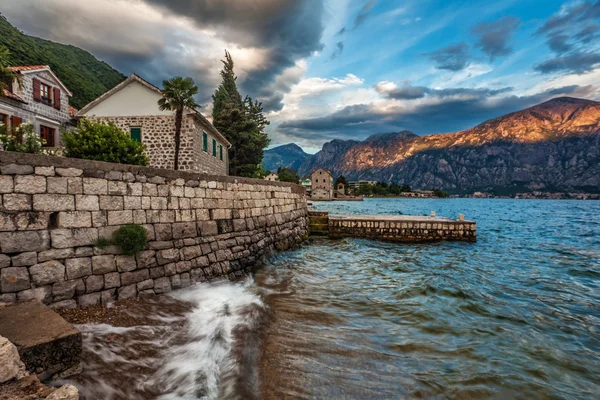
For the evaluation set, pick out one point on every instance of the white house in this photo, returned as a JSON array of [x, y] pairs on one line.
[[272, 177], [41, 99], [132, 105]]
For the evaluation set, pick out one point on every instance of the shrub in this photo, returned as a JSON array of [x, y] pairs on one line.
[[22, 139], [103, 142], [131, 239]]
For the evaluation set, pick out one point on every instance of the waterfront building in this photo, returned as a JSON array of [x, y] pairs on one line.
[[272, 177], [132, 105], [356, 184], [322, 184]]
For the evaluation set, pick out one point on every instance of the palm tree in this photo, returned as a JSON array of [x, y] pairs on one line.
[[7, 76], [178, 95]]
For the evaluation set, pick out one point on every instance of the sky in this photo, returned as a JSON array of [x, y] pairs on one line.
[[344, 69]]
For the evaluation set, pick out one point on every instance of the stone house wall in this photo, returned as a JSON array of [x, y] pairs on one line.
[[158, 134], [200, 227]]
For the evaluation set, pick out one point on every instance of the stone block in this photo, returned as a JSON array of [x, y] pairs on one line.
[[139, 217], [134, 189], [17, 202], [75, 185], [66, 238], [45, 171], [158, 203], [47, 273], [14, 279], [74, 219], [183, 266], [87, 300], [239, 225], [157, 272], [4, 261], [183, 230], [224, 226], [25, 259], [30, 184], [57, 185], [78, 267], [94, 283], [43, 294], [145, 285], [17, 242], [208, 228], [127, 292], [103, 264], [95, 186], [126, 263], [113, 175], [107, 296], [163, 232], [120, 217], [132, 202], [87, 203], [111, 203], [6, 184], [162, 285], [16, 169], [69, 172], [99, 219], [167, 256], [112, 280], [53, 202], [146, 259], [149, 189]]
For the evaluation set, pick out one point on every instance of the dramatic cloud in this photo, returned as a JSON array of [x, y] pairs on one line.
[[452, 58], [339, 49], [364, 13], [422, 116], [573, 15], [160, 39], [494, 36], [577, 63], [407, 92]]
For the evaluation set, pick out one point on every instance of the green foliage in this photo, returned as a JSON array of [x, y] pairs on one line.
[[287, 174], [81, 72], [341, 179], [241, 121], [382, 189], [178, 95], [440, 194], [260, 172], [7, 77], [131, 239], [103, 142], [22, 139]]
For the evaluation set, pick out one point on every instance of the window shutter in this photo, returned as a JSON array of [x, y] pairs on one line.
[[214, 148], [205, 142], [15, 121], [36, 90], [136, 134], [57, 98]]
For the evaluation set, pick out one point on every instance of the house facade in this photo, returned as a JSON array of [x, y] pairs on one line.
[[40, 99], [133, 106], [272, 177], [322, 184]]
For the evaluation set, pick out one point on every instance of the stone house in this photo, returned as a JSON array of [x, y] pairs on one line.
[[272, 177], [41, 99], [132, 105], [322, 184]]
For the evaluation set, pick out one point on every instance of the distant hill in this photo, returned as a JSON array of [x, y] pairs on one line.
[[554, 146], [84, 75], [288, 155]]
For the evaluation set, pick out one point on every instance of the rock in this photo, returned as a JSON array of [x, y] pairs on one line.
[[11, 366], [64, 290], [66, 392], [127, 292], [14, 169], [78, 267], [53, 202], [87, 300], [25, 259], [43, 294], [103, 264], [4, 261], [47, 273], [18, 242], [14, 279], [69, 172], [55, 254], [65, 238], [30, 184]]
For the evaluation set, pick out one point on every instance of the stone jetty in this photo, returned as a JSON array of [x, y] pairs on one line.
[[392, 228]]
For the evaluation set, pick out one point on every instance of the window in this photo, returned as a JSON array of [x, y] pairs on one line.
[[205, 141], [214, 148], [47, 134], [136, 134], [45, 94], [221, 152]]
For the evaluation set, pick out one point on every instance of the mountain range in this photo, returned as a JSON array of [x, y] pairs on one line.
[[289, 155], [553, 146], [84, 75]]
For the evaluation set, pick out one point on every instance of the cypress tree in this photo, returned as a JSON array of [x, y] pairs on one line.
[[241, 121]]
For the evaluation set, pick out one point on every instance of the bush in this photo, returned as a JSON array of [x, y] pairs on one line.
[[131, 239], [103, 142], [22, 139]]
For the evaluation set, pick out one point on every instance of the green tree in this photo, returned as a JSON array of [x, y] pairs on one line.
[[103, 142], [242, 122], [178, 95], [341, 179], [7, 76], [287, 174], [439, 193]]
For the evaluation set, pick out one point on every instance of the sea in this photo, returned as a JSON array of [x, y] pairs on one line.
[[515, 315]]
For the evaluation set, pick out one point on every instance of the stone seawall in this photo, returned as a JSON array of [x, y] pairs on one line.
[[402, 228], [52, 211]]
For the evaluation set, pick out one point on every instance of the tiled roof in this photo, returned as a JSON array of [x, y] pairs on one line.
[[27, 67], [11, 95]]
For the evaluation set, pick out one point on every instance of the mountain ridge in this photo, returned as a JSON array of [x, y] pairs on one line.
[[288, 155], [527, 149]]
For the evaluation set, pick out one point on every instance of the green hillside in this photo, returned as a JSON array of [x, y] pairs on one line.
[[84, 75]]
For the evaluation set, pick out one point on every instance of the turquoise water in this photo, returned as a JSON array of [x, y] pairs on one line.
[[515, 315]]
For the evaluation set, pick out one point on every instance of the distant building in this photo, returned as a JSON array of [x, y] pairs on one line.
[[322, 184], [356, 184], [341, 190], [307, 185], [40, 99], [132, 105], [272, 177]]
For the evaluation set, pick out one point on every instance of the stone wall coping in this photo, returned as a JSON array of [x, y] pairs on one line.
[[8, 157], [397, 218]]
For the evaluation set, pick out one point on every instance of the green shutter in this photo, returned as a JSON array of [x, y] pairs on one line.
[[221, 152], [214, 148], [136, 134], [204, 141]]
